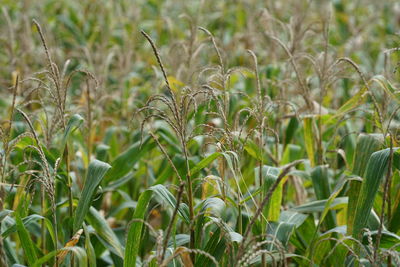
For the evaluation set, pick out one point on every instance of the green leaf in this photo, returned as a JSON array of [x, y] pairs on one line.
[[74, 123], [10, 252], [169, 199], [270, 174], [80, 255], [394, 224], [104, 231], [326, 211], [210, 205], [280, 231], [352, 103], [291, 130], [213, 204], [204, 162], [320, 180], [376, 169], [292, 217], [26, 241], [253, 150], [41, 261], [389, 240], [331, 199], [387, 87], [91, 254], [28, 221], [215, 246], [135, 230], [96, 171], [292, 153], [124, 163], [319, 205], [366, 145], [4, 213], [179, 240]]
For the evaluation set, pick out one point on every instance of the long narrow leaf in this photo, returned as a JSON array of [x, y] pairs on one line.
[[26, 241], [376, 169], [135, 230], [96, 171], [104, 231]]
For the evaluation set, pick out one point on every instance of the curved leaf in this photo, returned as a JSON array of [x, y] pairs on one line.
[[96, 171]]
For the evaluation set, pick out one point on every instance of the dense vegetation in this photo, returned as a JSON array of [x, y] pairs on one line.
[[199, 133]]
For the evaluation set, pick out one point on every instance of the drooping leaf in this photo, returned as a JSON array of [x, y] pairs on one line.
[[169, 199], [71, 243]]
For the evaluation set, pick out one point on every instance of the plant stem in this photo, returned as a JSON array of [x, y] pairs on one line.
[[43, 207], [2, 254], [70, 198], [89, 116], [190, 201], [178, 201], [260, 178]]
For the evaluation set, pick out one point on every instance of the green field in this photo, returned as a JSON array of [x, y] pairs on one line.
[[199, 133]]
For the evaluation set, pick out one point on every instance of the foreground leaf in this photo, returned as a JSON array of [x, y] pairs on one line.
[[96, 171], [26, 241], [376, 169]]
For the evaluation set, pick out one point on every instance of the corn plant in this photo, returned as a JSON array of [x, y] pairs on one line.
[[199, 133]]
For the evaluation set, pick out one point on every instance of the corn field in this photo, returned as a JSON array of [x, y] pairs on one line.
[[199, 133]]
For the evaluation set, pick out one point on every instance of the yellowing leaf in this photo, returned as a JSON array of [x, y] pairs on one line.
[[210, 186], [175, 83], [72, 242], [309, 140], [185, 256]]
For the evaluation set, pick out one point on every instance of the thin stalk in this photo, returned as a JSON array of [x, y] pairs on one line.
[[70, 196], [305, 90], [222, 171], [260, 176], [178, 201], [190, 200], [67, 165], [240, 219], [43, 208], [260, 111], [2, 254], [89, 116]]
